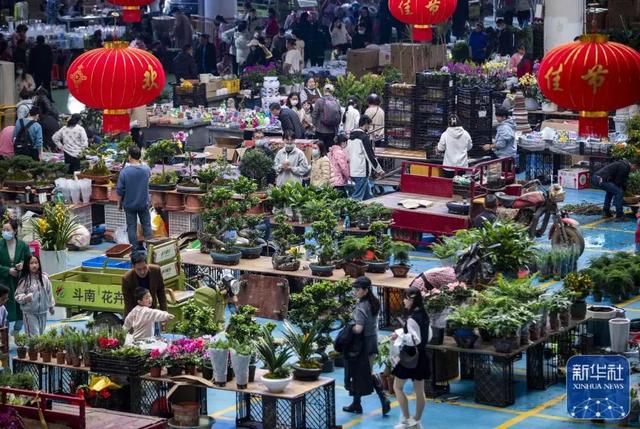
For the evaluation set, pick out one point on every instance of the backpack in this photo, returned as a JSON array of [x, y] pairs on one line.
[[23, 144], [331, 113]]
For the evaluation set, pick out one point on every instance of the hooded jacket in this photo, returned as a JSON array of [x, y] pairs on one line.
[[455, 142], [506, 139]]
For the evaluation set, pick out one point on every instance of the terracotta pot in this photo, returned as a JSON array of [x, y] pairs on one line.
[[113, 195], [174, 201], [86, 360], [99, 193], [76, 361], [190, 370], [157, 198], [33, 354], [155, 371], [46, 356], [22, 352], [69, 359], [257, 209], [192, 203], [60, 358]]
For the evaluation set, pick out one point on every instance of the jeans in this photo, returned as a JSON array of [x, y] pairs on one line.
[[362, 188], [613, 192], [132, 217], [72, 162]]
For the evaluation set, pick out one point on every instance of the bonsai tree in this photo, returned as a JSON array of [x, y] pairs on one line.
[[353, 249], [214, 174], [160, 153], [243, 329], [99, 168], [400, 252], [380, 241], [323, 305], [285, 242], [324, 233], [220, 219], [303, 344], [258, 166], [273, 355]]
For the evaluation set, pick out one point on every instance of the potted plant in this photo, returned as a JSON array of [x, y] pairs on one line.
[[258, 166], [97, 170], [308, 367], [505, 327], [580, 284], [352, 250], [219, 353], [53, 230], [437, 303], [400, 252], [465, 319], [632, 189], [274, 357], [221, 220], [160, 153], [325, 236], [47, 347], [33, 342], [286, 256], [21, 340], [173, 360], [379, 247], [558, 304], [88, 345], [243, 329], [240, 361], [207, 367], [156, 362]]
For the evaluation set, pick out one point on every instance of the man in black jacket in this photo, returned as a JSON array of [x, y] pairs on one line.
[[184, 65], [206, 56], [288, 119], [505, 38], [612, 179], [41, 63]]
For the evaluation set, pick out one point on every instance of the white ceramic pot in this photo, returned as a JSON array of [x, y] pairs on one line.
[[219, 363], [53, 261], [240, 365], [276, 385], [531, 104], [549, 107]]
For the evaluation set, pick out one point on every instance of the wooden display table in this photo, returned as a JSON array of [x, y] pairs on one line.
[[51, 377], [492, 372], [308, 404], [401, 154], [99, 418], [390, 288]]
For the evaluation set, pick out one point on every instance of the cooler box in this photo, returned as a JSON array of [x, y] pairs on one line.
[[573, 178]]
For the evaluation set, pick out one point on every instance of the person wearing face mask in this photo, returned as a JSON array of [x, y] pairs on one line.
[[13, 252], [146, 276], [289, 120], [321, 173], [362, 160], [293, 103], [290, 163]]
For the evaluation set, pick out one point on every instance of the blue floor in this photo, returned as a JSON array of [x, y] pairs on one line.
[[533, 409]]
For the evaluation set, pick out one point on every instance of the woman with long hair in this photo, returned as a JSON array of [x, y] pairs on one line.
[[351, 116], [35, 296], [414, 333], [13, 252], [359, 378]]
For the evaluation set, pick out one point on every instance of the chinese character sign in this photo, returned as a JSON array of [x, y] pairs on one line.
[[422, 12], [598, 387]]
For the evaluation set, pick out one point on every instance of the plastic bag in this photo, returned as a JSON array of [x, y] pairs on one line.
[[121, 236], [74, 188], [81, 237], [157, 224], [85, 190]]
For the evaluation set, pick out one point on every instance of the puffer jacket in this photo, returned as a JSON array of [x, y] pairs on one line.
[[339, 165], [321, 172]]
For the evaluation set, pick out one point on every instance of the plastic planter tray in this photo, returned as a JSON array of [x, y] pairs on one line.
[[106, 262], [102, 363]]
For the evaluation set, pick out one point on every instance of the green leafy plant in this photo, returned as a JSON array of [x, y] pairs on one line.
[[465, 316], [460, 52], [161, 152], [99, 151], [324, 232], [354, 248], [220, 344], [273, 355], [21, 339], [197, 321], [283, 234], [258, 166], [633, 184], [303, 344], [401, 252], [243, 329], [579, 283]]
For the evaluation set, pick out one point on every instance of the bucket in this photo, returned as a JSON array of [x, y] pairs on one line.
[[186, 413], [619, 332], [598, 323]]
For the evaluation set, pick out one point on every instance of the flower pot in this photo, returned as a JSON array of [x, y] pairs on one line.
[[240, 364], [46, 356], [285, 263], [505, 345], [226, 258], [579, 310], [69, 359], [53, 262], [355, 269], [377, 267], [275, 385], [565, 318], [554, 321], [252, 372], [250, 252], [189, 189], [157, 199], [306, 374], [219, 363], [192, 203], [99, 193], [33, 354], [190, 370], [400, 271], [207, 371], [328, 366], [173, 201], [257, 209], [86, 359], [321, 270], [96, 180], [619, 333], [162, 186], [531, 104], [186, 413], [22, 352], [155, 371], [76, 361], [485, 335], [465, 338], [174, 370]]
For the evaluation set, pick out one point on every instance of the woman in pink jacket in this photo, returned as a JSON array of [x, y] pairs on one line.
[[339, 163]]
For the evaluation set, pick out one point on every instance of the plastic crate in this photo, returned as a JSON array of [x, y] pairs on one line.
[[436, 80], [434, 94], [181, 222], [431, 120], [232, 85], [99, 262], [473, 96], [433, 107], [83, 214], [114, 218], [399, 90], [131, 366], [595, 149]]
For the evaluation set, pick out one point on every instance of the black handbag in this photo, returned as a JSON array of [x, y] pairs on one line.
[[408, 354]]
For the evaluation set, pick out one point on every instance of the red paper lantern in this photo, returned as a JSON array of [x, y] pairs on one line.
[[593, 76], [131, 8], [115, 78], [422, 14]]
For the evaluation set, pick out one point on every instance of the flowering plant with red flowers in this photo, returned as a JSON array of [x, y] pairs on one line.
[[108, 343], [156, 358]]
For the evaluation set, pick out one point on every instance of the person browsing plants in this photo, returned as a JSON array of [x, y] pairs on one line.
[[35, 296], [13, 252], [142, 318], [290, 163]]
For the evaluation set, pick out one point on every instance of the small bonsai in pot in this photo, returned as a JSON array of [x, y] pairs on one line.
[[275, 357], [308, 367], [465, 319], [160, 153], [286, 256], [96, 171], [353, 250], [559, 304], [21, 343], [580, 284], [401, 257], [33, 343], [325, 237], [48, 346], [220, 221]]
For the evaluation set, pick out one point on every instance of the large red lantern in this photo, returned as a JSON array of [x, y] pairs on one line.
[[593, 76], [422, 14], [115, 78], [131, 8]]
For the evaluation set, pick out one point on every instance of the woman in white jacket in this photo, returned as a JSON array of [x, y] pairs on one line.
[[351, 116], [455, 142]]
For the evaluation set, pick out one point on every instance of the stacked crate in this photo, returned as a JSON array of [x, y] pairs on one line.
[[475, 110], [399, 115], [434, 103]]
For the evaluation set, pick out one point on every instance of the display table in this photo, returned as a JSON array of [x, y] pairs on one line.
[[99, 418], [218, 133], [52, 377], [492, 372], [390, 288], [197, 140], [309, 404]]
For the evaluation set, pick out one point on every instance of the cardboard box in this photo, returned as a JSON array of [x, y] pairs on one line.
[[573, 178], [561, 125], [412, 58], [362, 61], [218, 152]]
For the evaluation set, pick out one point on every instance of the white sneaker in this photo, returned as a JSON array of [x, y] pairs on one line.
[[402, 424], [411, 423]]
